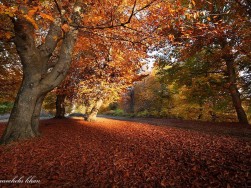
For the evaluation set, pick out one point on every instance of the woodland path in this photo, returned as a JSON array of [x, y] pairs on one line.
[[106, 153], [232, 129]]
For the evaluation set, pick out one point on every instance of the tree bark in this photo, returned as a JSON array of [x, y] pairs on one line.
[[60, 106], [88, 107], [37, 80], [132, 100], [234, 92], [36, 115], [20, 121], [93, 114]]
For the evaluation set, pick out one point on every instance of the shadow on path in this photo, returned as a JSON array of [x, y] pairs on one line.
[[232, 129]]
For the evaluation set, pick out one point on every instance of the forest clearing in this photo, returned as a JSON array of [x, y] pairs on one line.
[[117, 153]]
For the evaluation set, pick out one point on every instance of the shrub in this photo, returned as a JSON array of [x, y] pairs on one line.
[[5, 107], [143, 113], [119, 112]]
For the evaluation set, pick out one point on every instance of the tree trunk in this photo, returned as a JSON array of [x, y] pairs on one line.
[[200, 112], [93, 114], [36, 115], [88, 107], [20, 121], [38, 76], [234, 92], [132, 100], [60, 106], [73, 108]]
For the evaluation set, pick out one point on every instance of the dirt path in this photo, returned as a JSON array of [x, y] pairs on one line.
[[106, 153]]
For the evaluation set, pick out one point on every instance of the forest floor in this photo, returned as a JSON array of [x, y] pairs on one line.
[[119, 153], [232, 129]]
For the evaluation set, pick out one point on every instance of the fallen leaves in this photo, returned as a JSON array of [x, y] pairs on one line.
[[74, 153]]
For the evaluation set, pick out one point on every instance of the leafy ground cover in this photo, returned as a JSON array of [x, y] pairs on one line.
[[116, 153]]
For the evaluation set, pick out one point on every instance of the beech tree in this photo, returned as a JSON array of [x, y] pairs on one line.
[[203, 84], [224, 27], [109, 77], [38, 77], [57, 25], [45, 32]]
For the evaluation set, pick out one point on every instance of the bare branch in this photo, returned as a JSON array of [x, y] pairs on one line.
[[118, 38], [58, 7], [133, 13]]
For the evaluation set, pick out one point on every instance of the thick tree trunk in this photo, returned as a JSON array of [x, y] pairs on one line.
[[36, 115], [93, 114], [234, 92], [20, 122], [60, 106], [39, 76]]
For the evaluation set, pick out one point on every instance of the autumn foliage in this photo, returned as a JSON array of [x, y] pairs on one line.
[[92, 53], [118, 153]]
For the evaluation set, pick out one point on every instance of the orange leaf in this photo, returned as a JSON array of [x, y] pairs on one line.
[[193, 2], [31, 20], [46, 16], [65, 27], [32, 12], [8, 35]]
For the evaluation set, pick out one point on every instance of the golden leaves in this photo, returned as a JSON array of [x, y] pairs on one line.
[[8, 35], [31, 20], [55, 38], [193, 2], [10, 11], [171, 37], [33, 11], [46, 16], [66, 27]]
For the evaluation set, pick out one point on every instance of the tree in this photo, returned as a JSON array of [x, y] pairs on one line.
[[45, 33], [203, 81], [119, 71], [60, 106], [99, 74], [37, 81], [223, 29]]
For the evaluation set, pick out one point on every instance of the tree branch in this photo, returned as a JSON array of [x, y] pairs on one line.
[[134, 12], [58, 7], [58, 73], [51, 40]]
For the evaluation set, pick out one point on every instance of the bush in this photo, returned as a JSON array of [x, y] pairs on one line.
[[5, 107], [119, 112], [154, 113], [144, 113]]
